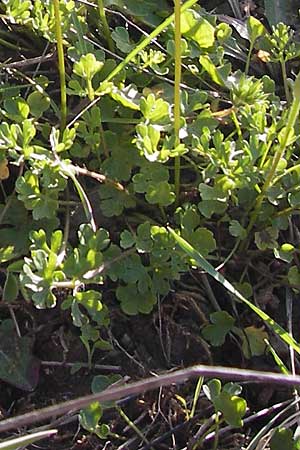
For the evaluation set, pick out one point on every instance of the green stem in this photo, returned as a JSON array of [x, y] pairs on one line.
[[292, 117], [132, 425], [61, 65], [105, 26], [289, 170], [196, 396], [264, 157], [287, 211], [147, 40], [8, 44], [177, 82], [285, 83], [249, 58], [90, 89], [236, 123], [216, 439]]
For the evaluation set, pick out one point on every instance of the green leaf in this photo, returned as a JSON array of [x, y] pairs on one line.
[[222, 324], [232, 407], [294, 276], [151, 173], [156, 111], [236, 230], [253, 341], [290, 139], [267, 238], [133, 270], [40, 194], [294, 199], [195, 27], [255, 28], [133, 301], [147, 141], [144, 242], [126, 239], [16, 109], [121, 37], [285, 252], [113, 202], [102, 382], [119, 152], [128, 96], [38, 104], [210, 207], [226, 401], [189, 217], [11, 288], [203, 240], [7, 253], [18, 11], [43, 268], [219, 74], [232, 388], [91, 300], [244, 288], [283, 439], [17, 364], [161, 193], [87, 66], [89, 417], [212, 389], [212, 193]]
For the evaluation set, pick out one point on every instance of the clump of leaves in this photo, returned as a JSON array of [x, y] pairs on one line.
[[227, 401], [238, 144]]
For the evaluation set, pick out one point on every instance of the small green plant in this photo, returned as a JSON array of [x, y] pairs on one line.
[[250, 170], [284, 436], [226, 401], [182, 156]]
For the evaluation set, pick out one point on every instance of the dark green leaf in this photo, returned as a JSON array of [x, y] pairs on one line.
[[11, 288], [17, 364], [222, 323]]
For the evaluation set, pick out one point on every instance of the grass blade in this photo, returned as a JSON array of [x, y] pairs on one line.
[[205, 265], [16, 443], [145, 42]]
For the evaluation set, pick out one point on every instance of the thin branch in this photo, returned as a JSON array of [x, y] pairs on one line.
[[116, 393]]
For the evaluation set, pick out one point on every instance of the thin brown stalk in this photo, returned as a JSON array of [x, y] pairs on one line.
[[178, 376]]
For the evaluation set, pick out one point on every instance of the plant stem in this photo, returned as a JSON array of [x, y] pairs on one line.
[[61, 66], [196, 396], [292, 117], [147, 41], [285, 84], [105, 25], [236, 123], [249, 58], [177, 82], [134, 52], [90, 89], [291, 169], [216, 440], [132, 425], [116, 393]]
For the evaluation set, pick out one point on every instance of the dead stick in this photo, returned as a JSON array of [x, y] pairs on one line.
[[116, 393]]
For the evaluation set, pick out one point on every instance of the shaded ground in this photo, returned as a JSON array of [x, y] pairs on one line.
[[166, 339]]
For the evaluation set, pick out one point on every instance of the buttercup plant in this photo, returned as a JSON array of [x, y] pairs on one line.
[[181, 158]]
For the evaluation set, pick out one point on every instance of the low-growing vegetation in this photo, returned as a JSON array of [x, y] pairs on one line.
[[149, 167]]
